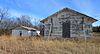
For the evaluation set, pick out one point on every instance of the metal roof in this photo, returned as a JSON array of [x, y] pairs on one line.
[[24, 28]]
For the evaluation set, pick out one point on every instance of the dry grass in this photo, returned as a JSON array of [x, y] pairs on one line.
[[23, 45]]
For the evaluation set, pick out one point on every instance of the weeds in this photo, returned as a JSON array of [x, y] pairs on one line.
[[32, 45]]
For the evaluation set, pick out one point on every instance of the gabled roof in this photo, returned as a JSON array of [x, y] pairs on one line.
[[25, 28], [68, 9]]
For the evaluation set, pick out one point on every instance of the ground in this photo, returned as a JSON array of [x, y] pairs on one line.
[[23, 45]]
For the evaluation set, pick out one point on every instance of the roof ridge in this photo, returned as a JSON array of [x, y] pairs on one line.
[[69, 10]]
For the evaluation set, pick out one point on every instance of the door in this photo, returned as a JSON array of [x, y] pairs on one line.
[[66, 29], [20, 33]]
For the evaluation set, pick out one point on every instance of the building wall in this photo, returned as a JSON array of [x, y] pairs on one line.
[[88, 27], [24, 33], [80, 25], [17, 32]]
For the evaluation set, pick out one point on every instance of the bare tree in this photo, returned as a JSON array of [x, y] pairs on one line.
[[7, 23], [3, 13], [24, 20]]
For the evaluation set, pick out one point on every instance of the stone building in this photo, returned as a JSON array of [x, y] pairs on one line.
[[68, 23]]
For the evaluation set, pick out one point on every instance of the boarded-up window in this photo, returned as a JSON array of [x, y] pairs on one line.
[[47, 32]]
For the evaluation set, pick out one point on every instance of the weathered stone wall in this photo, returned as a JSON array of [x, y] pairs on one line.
[[80, 25], [87, 27]]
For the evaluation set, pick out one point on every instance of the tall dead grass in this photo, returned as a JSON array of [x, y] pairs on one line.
[[31, 45]]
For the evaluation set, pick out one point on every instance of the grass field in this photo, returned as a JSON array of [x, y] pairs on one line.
[[22, 45]]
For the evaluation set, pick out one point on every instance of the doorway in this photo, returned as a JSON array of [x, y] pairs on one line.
[[20, 33], [66, 29]]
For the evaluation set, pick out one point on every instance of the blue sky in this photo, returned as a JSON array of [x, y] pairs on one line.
[[40, 9]]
